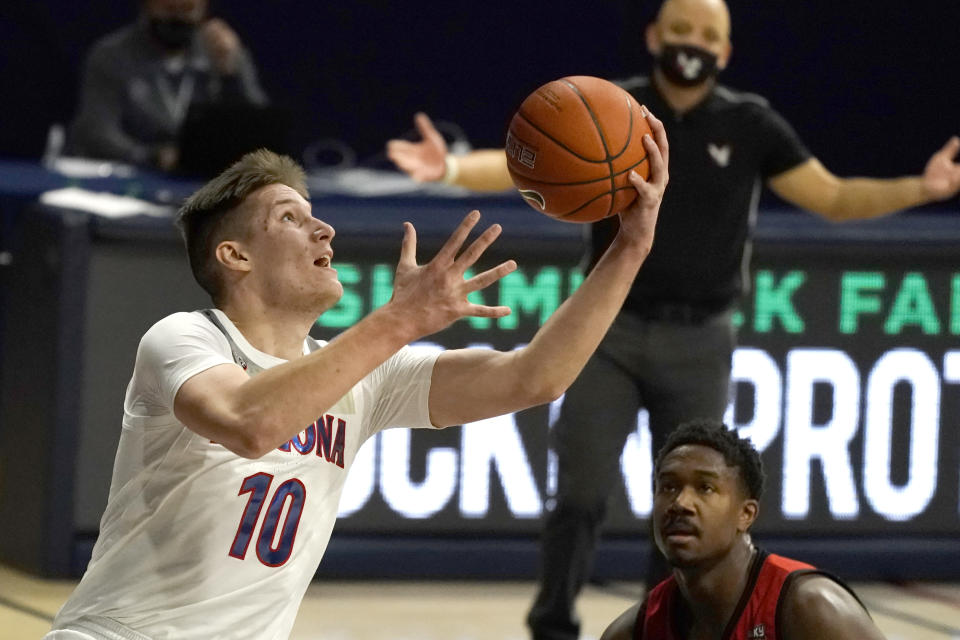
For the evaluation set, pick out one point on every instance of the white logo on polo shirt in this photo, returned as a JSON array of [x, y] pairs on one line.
[[720, 154]]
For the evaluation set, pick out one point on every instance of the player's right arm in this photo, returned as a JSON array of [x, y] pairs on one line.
[[474, 384], [428, 160], [251, 416], [818, 608]]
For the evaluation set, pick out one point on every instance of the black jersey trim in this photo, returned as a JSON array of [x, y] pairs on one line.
[[633, 82], [740, 97], [799, 573], [755, 566], [234, 349], [638, 623]]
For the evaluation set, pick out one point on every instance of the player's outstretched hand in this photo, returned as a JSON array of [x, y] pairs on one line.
[[941, 178], [639, 220], [424, 161], [434, 295]]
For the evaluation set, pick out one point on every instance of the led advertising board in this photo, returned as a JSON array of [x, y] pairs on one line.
[[847, 378]]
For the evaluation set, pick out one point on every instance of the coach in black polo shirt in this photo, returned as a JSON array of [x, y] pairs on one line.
[[670, 349]]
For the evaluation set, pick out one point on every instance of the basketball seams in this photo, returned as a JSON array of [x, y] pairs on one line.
[[561, 216], [603, 139], [593, 117], [612, 194], [552, 139], [582, 182], [603, 136], [563, 136]]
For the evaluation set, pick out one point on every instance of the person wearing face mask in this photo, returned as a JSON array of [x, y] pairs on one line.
[[139, 82], [670, 349]]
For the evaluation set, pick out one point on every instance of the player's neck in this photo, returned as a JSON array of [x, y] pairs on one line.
[[280, 334], [681, 99], [712, 594]]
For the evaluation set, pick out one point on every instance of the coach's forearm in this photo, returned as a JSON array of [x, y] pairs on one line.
[[860, 198], [483, 170]]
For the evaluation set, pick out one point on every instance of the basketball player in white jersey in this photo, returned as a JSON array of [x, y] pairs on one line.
[[222, 502]]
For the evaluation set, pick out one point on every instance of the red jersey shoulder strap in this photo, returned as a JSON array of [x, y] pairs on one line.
[[756, 577], [784, 563]]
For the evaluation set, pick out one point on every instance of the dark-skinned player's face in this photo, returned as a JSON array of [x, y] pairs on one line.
[[700, 507]]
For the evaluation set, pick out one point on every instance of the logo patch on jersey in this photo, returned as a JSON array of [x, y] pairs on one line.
[[720, 154], [759, 632]]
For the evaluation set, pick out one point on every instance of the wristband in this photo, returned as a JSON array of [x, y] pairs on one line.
[[452, 171]]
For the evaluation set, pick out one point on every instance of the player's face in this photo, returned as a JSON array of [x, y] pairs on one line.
[[699, 23], [699, 507], [290, 251]]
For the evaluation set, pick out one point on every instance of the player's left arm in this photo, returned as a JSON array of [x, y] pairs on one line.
[[812, 186], [817, 608], [473, 384]]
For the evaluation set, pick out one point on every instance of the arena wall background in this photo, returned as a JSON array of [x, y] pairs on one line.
[[870, 86]]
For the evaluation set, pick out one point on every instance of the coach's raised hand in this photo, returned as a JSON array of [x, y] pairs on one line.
[[941, 177], [425, 160]]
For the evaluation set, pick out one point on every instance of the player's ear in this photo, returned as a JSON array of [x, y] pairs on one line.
[[724, 58], [232, 255], [654, 44], [749, 511]]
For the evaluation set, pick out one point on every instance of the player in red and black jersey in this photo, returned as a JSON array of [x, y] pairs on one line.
[[707, 496]]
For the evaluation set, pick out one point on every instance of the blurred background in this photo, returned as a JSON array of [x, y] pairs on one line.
[[870, 86]]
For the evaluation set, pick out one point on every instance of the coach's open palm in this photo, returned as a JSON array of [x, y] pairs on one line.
[[639, 220], [434, 295], [425, 160], [941, 177]]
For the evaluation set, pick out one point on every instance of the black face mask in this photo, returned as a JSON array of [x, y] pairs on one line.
[[687, 66], [172, 33]]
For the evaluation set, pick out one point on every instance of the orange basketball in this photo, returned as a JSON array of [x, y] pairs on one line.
[[571, 145]]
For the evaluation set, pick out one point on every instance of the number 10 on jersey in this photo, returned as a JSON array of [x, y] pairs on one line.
[[258, 486]]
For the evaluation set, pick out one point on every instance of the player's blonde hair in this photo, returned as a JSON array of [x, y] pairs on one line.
[[210, 215]]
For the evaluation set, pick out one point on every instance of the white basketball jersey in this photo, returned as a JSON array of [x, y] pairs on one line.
[[198, 542]]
